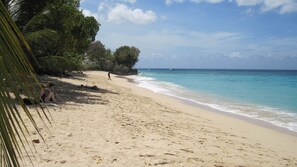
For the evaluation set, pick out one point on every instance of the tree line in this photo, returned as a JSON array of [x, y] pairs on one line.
[[62, 39], [47, 37], [120, 62]]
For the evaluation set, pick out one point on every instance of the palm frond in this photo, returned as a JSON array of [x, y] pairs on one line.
[[23, 10], [17, 77], [38, 21], [42, 41]]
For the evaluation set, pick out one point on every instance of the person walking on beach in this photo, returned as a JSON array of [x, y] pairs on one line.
[[108, 76]]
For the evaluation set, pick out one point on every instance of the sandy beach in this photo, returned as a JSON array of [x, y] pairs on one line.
[[120, 124]]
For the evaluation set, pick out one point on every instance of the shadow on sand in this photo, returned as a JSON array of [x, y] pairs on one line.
[[80, 94]]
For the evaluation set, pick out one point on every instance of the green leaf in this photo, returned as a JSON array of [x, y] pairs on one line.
[[16, 78]]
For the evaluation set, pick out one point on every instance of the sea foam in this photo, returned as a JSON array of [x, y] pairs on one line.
[[273, 116]]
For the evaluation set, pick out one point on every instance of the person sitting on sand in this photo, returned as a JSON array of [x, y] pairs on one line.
[[47, 93]]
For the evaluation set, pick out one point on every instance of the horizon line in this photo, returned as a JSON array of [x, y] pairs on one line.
[[167, 68]]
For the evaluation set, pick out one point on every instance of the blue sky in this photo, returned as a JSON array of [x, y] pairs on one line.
[[232, 34]]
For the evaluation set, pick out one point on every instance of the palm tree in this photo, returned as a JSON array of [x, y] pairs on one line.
[[16, 78], [36, 23], [23, 10]]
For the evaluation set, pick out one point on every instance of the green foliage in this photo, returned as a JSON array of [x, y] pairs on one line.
[[90, 28], [75, 30], [75, 59], [56, 65], [22, 11], [40, 21], [124, 70], [91, 67], [5, 3], [55, 28], [121, 62], [42, 42], [98, 55], [120, 69], [15, 73], [126, 56]]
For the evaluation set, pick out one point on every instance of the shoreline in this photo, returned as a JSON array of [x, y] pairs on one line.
[[246, 118], [242, 119], [251, 120], [122, 124]]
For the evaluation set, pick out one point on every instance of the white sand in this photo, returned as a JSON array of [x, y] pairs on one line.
[[124, 125]]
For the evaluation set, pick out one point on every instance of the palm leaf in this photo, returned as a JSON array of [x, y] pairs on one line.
[[16, 74], [22, 11], [42, 41], [36, 32], [39, 21]]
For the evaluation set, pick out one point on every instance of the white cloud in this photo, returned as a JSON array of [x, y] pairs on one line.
[[89, 13], [169, 41], [249, 11], [168, 2], [283, 6], [248, 2], [102, 6], [207, 1], [289, 8], [235, 55], [130, 1], [163, 17], [122, 13]]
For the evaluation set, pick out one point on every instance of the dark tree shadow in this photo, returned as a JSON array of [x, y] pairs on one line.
[[80, 94], [77, 76]]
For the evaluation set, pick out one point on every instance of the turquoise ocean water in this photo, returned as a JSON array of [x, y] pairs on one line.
[[266, 95]]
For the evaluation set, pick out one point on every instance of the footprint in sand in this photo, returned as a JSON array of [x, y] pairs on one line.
[[146, 155], [195, 159], [170, 154], [189, 151], [97, 158]]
